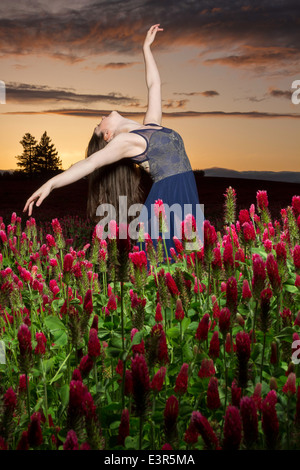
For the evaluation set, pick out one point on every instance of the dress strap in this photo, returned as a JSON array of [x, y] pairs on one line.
[[142, 156]]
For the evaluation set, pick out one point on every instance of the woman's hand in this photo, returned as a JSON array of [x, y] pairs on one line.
[[40, 194], [151, 34]]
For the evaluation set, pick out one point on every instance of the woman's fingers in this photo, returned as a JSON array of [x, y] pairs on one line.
[[27, 204], [152, 33], [30, 208], [38, 196], [30, 202], [155, 28]]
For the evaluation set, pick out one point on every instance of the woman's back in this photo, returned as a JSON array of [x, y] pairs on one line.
[[165, 152]]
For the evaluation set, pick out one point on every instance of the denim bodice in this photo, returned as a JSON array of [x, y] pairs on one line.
[[165, 153]]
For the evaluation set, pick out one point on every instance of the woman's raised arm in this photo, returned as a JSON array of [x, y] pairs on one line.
[[154, 113], [122, 146]]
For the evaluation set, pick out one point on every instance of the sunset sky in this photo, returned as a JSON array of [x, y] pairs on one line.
[[226, 67]]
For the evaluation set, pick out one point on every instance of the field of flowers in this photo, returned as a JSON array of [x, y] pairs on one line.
[[113, 346]]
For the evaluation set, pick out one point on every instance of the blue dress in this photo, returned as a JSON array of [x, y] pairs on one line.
[[173, 182]]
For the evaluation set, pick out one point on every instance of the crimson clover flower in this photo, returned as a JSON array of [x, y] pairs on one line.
[[41, 344], [214, 346], [158, 380], [124, 427], [213, 398], [232, 429], [71, 442], [259, 276], [170, 419], [270, 424], [207, 368], [250, 420], [25, 347], [203, 327], [94, 347], [289, 387], [182, 380], [179, 312], [35, 435], [224, 320], [140, 384], [205, 430]]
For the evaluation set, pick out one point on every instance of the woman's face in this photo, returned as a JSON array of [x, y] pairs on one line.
[[108, 123]]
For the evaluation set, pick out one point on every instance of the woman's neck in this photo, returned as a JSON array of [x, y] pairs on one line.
[[127, 125]]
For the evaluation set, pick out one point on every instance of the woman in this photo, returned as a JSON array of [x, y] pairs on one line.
[[161, 149]]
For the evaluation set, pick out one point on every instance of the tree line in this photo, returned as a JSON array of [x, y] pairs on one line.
[[38, 158]]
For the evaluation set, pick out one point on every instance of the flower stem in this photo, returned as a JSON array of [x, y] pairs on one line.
[[197, 274], [287, 424], [225, 368], [28, 395], [208, 284], [45, 392], [122, 315], [112, 382], [96, 376], [123, 384], [254, 321], [57, 373], [152, 426], [262, 359], [141, 432], [166, 251]]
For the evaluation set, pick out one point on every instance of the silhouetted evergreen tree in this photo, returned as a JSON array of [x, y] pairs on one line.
[[47, 155], [38, 158], [27, 161]]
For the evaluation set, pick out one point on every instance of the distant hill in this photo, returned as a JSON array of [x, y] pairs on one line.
[[284, 176]]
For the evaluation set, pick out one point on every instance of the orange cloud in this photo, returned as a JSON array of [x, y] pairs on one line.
[[175, 104]]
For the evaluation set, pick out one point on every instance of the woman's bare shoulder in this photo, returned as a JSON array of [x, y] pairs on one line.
[[126, 144]]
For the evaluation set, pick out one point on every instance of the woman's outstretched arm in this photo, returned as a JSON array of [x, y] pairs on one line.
[[122, 146], [154, 113]]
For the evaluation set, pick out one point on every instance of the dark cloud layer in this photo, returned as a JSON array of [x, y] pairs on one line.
[[280, 94], [206, 94], [26, 93], [244, 33], [272, 93]]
